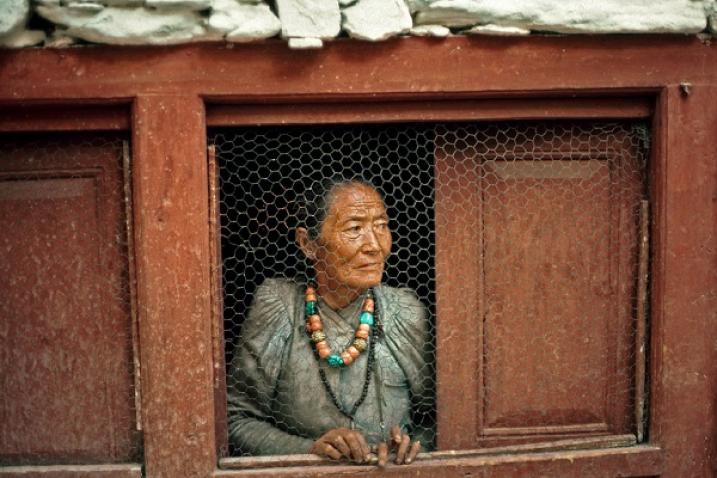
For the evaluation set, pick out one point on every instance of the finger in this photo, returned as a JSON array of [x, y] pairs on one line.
[[382, 454], [364, 445], [396, 435], [332, 452], [357, 453], [340, 444], [415, 448], [402, 449]]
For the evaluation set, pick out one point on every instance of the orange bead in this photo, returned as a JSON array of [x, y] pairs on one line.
[[346, 357], [325, 352], [322, 345], [362, 334], [365, 327], [310, 297], [310, 290], [368, 305], [315, 323], [353, 351]]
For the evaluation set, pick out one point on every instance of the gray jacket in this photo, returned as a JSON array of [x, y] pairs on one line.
[[276, 401]]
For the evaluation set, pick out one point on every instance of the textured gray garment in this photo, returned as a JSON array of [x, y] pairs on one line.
[[276, 401]]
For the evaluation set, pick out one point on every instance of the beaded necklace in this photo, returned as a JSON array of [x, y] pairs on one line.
[[313, 326], [315, 329]]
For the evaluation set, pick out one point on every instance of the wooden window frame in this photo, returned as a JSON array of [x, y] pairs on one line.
[[189, 87], [458, 418]]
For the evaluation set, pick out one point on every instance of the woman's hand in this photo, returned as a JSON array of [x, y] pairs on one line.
[[342, 442], [405, 450]]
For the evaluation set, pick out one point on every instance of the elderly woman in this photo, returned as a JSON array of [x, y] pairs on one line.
[[335, 367]]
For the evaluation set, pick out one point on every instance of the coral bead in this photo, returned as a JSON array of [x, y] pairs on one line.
[[365, 327], [347, 358], [368, 305], [315, 323], [362, 334], [324, 352], [310, 297], [353, 352]]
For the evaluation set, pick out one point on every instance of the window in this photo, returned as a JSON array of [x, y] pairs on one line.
[[521, 240], [69, 389]]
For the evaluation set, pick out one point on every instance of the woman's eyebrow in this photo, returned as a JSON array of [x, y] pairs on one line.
[[360, 216], [353, 216]]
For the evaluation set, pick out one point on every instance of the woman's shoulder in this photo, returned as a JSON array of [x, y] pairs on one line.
[[273, 305], [401, 301], [278, 288]]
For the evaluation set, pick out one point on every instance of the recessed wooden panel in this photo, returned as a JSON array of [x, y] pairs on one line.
[[547, 279], [537, 244], [65, 366]]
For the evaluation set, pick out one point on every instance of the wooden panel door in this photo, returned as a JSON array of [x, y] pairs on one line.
[[65, 331], [537, 271]]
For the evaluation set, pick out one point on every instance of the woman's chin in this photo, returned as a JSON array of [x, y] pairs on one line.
[[365, 281]]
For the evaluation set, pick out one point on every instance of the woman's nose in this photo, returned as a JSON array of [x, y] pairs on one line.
[[370, 243]]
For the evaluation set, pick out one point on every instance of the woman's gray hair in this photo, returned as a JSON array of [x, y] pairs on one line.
[[314, 203]]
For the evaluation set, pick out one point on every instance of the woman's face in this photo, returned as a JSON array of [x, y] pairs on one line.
[[354, 241]]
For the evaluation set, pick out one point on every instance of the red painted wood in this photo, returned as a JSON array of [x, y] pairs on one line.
[[172, 246], [409, 68], [635, 462], [459, 309], [65, 367], [72, 471], [440, 110], [536, 273], [65, 117], [683, 411]]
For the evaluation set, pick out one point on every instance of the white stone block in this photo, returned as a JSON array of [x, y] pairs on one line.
[[309, 18], [574, 16], [85, 7], [497, 30], [243, 21], [195, 5], [13, 15], [123, 3], [22, 38], [130, 26], [59, 39], [376, 20], [430, 31], [305, 43]]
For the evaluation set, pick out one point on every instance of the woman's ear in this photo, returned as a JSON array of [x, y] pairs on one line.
[[307, 246]]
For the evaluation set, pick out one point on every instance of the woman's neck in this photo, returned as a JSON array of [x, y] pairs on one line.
[[338, 297]]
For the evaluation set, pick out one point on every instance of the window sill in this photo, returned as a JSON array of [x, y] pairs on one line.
[[574, 457], [124, 470]]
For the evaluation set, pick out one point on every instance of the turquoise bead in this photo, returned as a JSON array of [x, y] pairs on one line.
[[310, 308], [366, 318], [335, 361]]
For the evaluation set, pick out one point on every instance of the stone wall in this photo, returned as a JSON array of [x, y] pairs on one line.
[[308, 23]]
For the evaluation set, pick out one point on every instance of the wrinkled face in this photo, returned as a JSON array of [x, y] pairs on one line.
[[355, 239]]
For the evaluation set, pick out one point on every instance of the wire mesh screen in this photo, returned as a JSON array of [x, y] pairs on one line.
[[66, 369], [346, 249]]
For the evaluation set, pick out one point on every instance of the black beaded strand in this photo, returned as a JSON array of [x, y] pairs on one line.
[[369, 368]]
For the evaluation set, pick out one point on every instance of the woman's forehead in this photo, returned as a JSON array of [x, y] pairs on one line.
[[356, 198]]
